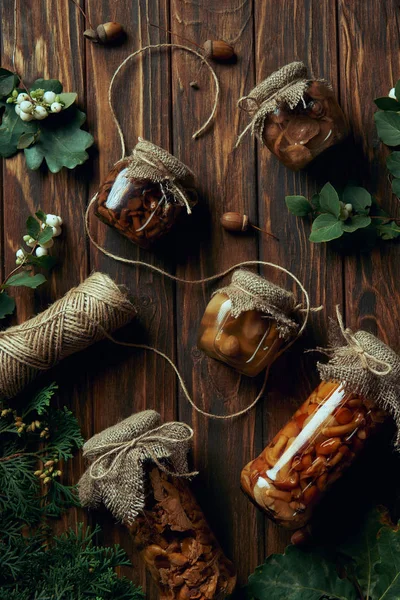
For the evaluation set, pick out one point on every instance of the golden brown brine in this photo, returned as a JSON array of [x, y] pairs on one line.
[[296, 136], [177, 545], [309, 454], [249, 343], [142, 210]]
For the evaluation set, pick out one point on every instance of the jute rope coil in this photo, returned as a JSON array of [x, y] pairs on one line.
[[86, 314]]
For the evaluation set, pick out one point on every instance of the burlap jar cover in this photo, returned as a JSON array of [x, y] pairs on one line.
[[364, 365], [248, 291], [149, 161], [285, 86]]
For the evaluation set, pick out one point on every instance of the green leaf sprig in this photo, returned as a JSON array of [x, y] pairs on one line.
[[369, 566], [337, 214], [387, 121], [40, 232], [43, 121]]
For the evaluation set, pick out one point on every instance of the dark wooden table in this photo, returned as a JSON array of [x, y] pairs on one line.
[[353, 44]]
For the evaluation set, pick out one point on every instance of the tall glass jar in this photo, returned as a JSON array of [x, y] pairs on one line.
[[322, 439]]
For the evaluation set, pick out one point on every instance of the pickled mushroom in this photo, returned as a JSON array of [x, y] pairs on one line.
[[301, 130], [297, 155]]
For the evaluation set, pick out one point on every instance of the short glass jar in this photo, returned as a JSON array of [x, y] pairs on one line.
[[145, 201], [324, 437], [241, 328]]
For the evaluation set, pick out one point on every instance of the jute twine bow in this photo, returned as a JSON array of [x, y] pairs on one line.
[[364, 365], [86, 314], [151, 162], [121, 455], [285, 86]]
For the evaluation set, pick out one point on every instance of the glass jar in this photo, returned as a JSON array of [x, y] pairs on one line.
[[324, 437], [177, 545], [298, 135], [249, 342]]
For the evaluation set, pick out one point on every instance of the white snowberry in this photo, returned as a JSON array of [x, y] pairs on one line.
[[348, 207], [56, 231], [49, 97], [392, 94], [26, 106], [41, 251], [56, 107], [60, 221], [31, 242], [26, 237], [17, 109], [52, 220], [22, 97], [40, 113], [26, 116], [48, 244], [20, 253]]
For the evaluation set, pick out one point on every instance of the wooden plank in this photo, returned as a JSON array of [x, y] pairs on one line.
[[286, 32], [226, 181], [129, 381], [49, 45]]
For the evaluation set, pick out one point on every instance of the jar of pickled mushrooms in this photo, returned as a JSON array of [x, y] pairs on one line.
[[145, 195], [295, 116], [328, 432], [247, 323], [139, 470]]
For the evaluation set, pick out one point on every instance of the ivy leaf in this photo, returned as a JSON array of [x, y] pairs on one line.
[[325, 228], [45, 262], [48, 85], [12, 127], [329, 200], [388, 569], [356, 222], [26, 140], [393, 163], [7, 305], [69, 98], [298, 205], [388, 231], [8, 81], [298, 575], [45, 235], [388, 126], [396, 186], [386, 103], [359, 198], [25, 279], [61, 143], [32, 227]]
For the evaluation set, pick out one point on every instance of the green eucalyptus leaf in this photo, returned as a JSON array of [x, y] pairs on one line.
[[298, 575], [393, 163], [388, 231], [386, 103], [7, 305], [32, 227], [45, 262], [396, 186], [298, 205], [25, 279], [356, 222], [45, 235], [358, 197], [12, 127], [26, 140], [8, 81], [48, 85], [325, 228], [68, 99], [329, 200], [62, 143], [388, 126]]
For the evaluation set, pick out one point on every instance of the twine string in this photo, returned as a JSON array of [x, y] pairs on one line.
[[142, 441], [368, 361], [206, 124]]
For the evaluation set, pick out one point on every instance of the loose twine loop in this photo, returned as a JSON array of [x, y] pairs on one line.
[[142, 441]]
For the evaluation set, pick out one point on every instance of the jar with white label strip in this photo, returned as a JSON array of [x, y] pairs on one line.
[[322, 439]]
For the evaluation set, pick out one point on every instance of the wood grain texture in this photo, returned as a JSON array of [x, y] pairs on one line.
[[352, 44]]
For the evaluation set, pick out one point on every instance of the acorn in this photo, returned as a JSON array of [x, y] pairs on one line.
[[106, 33], [218, 50], [234, 221]]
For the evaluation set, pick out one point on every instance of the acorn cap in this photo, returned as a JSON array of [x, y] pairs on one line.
[[218, 50], [91, 35]]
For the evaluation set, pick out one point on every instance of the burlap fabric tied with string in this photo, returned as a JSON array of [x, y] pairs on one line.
[[145, 194], [364, 365], [138, 470], [248, 291]]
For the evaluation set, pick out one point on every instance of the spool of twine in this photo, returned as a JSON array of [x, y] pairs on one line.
[[85, 315]]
